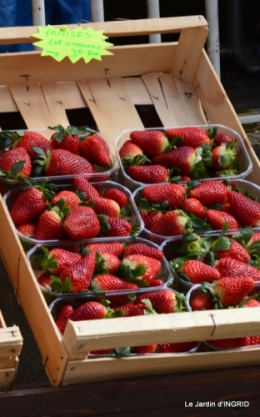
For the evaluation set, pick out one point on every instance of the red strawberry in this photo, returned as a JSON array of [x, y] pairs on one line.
[[82, 185], [163, 302], [197, 271], [152, 142], [234, 268], [80, 273], [223, 156], [106, 206], [251, 302], [193, 205], [29, 140], [45, 281], [49, 226], [230, 343], [255, 237], [191, 136], [54, 260], [185, 158], [96, 150], [218, 218], [64, 316], [156, 283], [29, 204], [90, 310], [70, 198], [27, 229], [151, 266], [150, 218], [107, 262], [67, 139], [143, 249], [202, 302], [81, 223], [129, 150], [149, 174], [16, 162], [173, 194], [221, 138], [209, 192], [142, 350], [230, 291], [177, 347], [172, 223], [115, 248], [131, 310], [245, 209], [110, 282], [254, 340], [116, 226], [230, 248], [117, 195]]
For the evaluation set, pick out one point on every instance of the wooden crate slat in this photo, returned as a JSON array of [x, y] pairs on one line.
[[177, 327], [6, 378], [55, 104], [137, 91], [8, 362], [10, 341], [109, 368], [111, 106], [7, 103]]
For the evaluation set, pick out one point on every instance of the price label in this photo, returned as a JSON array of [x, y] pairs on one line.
[[74, 43]]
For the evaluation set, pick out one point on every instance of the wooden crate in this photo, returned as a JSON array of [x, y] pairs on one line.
[[178, 81], [11, 343]]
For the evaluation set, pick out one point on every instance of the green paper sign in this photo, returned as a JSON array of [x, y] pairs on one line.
[[72, 43]]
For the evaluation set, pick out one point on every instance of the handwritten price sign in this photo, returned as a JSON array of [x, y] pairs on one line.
[[72, 43]]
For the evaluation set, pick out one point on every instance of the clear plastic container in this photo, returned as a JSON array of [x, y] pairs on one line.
[[133, 216], [245, 163], [242, 185], [165, 273], [7, 184]]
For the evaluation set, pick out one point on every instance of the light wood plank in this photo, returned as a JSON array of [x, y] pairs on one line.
[[7, 103], [137, 91], [11, 341]]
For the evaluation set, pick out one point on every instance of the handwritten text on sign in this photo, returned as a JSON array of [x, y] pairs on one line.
[[72, 43]]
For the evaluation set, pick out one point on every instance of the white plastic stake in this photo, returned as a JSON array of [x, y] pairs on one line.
[[97, 10], [211, 7], [38, 11], [153, 12]]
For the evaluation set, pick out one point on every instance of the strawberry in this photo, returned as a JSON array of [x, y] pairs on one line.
[[221, 138], [106, 206], [172, 223], [246, 210], [115, 248], [202, 302], [151, 266], [152, 142], [63, 162], [223, 156], [54, 260], [70, 198], [149, 174], [150, 218], [229, 247], [143, 249], [142, 350], [194, 206], [197, 271], [90, 310], [191, 136], [110, 282], [81, 223], [64, 316], [115, 227], [49, 226], [254, 340], [16, 163], [233, 268], [80, 273], [30, 203], [117, 195], [67, 139], [82, 185], [250, 302], [218, 218], [209, 192], [107, 262], [156, 282], [95, 150], [27, 229], [185, 158], [29, 140], [44, 280], [129, 150], [173, 194], [177, 347], [230, 291], [163, 302], [230, 343]]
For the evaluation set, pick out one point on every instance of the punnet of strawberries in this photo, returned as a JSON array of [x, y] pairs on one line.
[[78, 211], [171, 210], [164, 301], [159, 155], [69, 151], [99, 267]]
